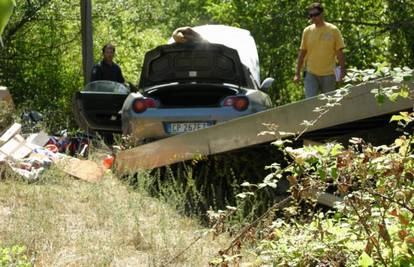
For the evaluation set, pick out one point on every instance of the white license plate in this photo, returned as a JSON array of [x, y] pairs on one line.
[[185, 127]]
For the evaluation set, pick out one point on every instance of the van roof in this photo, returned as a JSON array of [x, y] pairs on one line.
[[236, 38]]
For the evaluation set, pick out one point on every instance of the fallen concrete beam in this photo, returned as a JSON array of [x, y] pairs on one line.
[[359, 104]]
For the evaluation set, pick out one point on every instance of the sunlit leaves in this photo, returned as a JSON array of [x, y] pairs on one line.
[[244, 195], [365, 260]]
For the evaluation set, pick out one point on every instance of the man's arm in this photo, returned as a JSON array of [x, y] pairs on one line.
[[186, 34], [120, 77], [178, 35], [341, 60], [96, 73], [299, 65]]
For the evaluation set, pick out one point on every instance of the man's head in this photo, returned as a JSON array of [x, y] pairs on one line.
[[315, 12], [108, 52]]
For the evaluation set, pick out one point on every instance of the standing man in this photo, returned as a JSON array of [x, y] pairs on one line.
[[321, 45], [107, 69]]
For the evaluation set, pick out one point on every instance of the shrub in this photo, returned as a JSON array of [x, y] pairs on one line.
[[14, 256]]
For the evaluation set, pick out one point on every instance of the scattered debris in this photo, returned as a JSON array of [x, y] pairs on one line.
[[82, 169], [29, 157], [38, 139], [32, 117], [12, 131], [16, 148], [108, 161], [77, 145]]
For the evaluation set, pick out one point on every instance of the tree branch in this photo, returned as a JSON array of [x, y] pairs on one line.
[[389, 26], [28, 15]]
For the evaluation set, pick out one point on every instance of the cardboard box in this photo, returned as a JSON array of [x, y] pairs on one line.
[[15, 148], [12, 131]]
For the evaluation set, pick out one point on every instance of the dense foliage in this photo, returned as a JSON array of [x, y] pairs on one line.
[[14, 256], [41, 61], [372, 226]]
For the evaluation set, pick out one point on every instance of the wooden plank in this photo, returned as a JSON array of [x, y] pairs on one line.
[[86, 170]]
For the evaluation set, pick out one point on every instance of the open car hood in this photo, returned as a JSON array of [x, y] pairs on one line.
[[195, 62]]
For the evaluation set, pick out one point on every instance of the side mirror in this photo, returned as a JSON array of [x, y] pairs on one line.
[[266, 84]]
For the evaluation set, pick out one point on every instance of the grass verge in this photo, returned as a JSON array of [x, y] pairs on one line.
[[62, 221]]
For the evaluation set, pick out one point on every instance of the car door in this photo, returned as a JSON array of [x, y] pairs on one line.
[[98, 106]]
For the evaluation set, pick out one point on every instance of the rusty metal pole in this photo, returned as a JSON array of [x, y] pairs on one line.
[[87, 39]]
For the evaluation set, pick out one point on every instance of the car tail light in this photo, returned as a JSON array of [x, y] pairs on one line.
[[141, 104], [239, 103]]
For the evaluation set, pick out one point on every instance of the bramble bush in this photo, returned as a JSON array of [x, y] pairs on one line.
[[372, 226]]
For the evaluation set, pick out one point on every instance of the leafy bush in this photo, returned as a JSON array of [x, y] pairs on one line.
[[372, 226], [14, 256]]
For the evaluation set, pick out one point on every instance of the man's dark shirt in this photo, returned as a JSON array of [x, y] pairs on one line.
[[104, 71]]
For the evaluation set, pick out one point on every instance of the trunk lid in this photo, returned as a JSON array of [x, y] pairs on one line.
[[195, 62]]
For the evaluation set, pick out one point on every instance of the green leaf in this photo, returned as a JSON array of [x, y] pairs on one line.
[[396, 118], [365, 260], [380, 99], [393, 97], [6, 9], [404, 93], [334, 172], [322, 174], [408, 78], [278, 143], [246, 184], [398, 79]]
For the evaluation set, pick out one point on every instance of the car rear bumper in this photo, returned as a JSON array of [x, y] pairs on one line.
[[152, 123]]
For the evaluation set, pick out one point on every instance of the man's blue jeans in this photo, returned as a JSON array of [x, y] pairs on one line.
[[315, 85]]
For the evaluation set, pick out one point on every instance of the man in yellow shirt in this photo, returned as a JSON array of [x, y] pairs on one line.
[[321, 45]]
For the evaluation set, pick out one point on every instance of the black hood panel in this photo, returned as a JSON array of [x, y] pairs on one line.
[[201, 62]]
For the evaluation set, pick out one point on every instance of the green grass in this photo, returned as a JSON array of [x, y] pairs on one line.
[[66, 222]]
